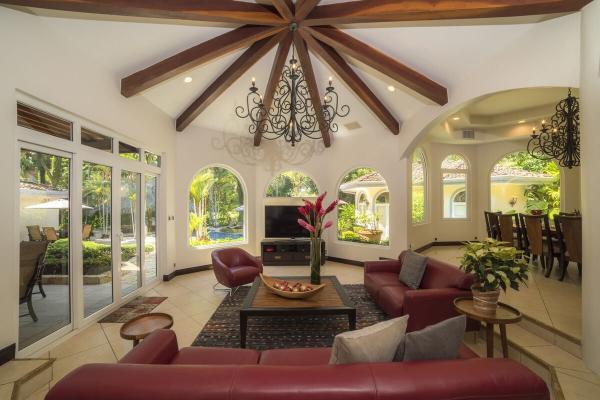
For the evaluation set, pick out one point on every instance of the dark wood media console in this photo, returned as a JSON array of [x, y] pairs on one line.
[[288, 251]]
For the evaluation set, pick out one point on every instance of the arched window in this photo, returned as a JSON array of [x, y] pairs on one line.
[[292, 184], [363, 215], [454, 186], [419, 188], [216, 208], [521, 183]]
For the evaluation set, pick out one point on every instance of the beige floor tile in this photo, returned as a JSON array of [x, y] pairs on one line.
[[523, 337], [588, 376], [558, 358], [575, 388], [100, 354], [40, 394], [15, 369], [6, 391], [90, 337], [170, 289]]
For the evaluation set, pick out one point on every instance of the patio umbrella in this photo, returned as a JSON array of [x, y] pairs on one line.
[[60, 204]]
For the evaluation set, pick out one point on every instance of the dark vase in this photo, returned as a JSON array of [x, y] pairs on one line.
[[315, 261]]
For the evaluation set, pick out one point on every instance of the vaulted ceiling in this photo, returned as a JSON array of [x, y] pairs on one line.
[[261, 37]]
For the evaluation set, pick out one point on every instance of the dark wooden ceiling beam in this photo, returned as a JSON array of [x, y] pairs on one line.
[[311, 82], [304, 7], [408, 77], [357, 85], [276, 70], [195, 56], [227, 11], [367, 11], [285, 8], [227, 78]]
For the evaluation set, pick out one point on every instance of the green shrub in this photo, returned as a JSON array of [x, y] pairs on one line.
[[207, 242], [97, 257]]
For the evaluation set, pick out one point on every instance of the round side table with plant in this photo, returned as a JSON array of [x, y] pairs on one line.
[[496, 265]]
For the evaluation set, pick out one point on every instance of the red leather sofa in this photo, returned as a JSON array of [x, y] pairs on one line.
[[428, 305], [157, 370], [235, 267]]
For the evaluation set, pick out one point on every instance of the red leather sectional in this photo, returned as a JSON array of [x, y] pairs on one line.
[[157, 370], [428, 305]]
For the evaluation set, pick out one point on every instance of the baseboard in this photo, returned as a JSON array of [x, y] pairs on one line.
[[438, 243], [345, 261], [7, 353], [183, 271]]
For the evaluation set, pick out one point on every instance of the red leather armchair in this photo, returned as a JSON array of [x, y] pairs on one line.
[[235, 267], [428, 305], [156, 369]]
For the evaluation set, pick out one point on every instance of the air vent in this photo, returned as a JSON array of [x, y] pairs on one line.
[[352, 125], [32, 118], [468, 134]]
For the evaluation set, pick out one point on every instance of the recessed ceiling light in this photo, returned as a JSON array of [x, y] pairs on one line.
[[456, 118], [187, 79], [391, 88], [522, 121]]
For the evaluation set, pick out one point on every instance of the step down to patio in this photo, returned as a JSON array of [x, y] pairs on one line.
[[20, 378]]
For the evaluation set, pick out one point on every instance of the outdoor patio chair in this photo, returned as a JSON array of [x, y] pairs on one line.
[[86, 232], [50, 234], [35, 233], [31, 266], [568, 230]]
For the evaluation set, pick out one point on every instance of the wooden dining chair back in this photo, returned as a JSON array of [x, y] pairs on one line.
[[538, 239], [35, 233], [568, 228], [492, 224], [50, 234], [31, 265], [509, 230]]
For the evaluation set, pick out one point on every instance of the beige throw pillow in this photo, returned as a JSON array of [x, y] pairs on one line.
[[375, 343]]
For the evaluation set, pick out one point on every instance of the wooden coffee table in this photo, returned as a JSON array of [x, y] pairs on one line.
[[141, 326], [503, 316], [332, 300]]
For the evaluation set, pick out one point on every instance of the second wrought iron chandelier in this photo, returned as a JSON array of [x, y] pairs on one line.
[[292, 114], [559, 140]]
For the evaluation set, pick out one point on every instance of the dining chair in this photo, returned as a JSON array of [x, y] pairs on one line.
[[50, 234], [491, 224], [568, 229], [538, 240], [510, 230]]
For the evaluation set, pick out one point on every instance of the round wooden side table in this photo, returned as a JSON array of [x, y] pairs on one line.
[[141, 326], [503, 316]]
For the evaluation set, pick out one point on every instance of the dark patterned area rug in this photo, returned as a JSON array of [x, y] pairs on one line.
[[139, 305], [223, 328]]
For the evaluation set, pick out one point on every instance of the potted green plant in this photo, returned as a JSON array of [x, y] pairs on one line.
[[537, 207], [495, 266], [370, 227]]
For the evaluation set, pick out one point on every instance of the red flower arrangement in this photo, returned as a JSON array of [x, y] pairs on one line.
[[314, 214]]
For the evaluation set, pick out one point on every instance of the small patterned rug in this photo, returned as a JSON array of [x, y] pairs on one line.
[[223, 328], [139, 305]]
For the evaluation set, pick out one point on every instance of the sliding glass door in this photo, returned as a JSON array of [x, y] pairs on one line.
[[44, 245], [131, 274], [96, 235]]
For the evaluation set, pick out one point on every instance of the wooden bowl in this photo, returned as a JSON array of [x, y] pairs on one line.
[[268, 282]]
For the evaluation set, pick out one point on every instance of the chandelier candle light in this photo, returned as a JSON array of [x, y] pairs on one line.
[[313, 221], [292, 114], [559, 140]]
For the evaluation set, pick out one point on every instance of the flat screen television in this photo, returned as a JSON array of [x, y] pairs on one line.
[[282, 222]]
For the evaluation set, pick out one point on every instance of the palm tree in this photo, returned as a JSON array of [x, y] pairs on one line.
[[200, 189]]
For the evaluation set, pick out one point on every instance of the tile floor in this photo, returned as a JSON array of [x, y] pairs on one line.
[[191, 301], [547, 300]]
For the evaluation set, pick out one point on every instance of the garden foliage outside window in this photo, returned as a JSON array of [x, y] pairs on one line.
[[419, 188]]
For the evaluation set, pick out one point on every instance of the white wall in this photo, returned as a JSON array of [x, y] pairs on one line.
[[36, 62], [590, 143]]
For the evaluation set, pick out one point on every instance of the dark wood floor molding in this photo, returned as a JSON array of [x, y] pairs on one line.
[[7, 354], [345, 261], [183, 271], [432, 244]]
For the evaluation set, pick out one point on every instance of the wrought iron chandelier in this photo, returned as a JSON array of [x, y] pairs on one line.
[[292, 114], [559, 140]]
